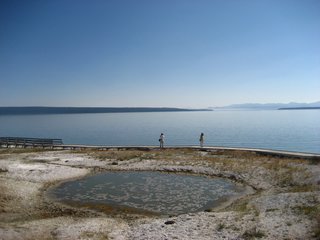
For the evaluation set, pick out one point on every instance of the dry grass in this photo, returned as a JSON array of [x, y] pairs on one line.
[[22, 150], [5, 198], [317, 227], [122, 155], [303, 188], [253, 234], [241, 206], [282, 172], [93, 235], [116, 155], [310, 211]]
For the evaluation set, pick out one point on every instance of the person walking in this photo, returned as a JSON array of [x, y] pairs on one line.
[[201, 139], [161, 140]]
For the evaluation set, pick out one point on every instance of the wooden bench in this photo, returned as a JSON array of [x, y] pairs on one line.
[[29, 142]]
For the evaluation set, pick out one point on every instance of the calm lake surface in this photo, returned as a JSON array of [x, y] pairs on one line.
[[164, 193], [280, 130]]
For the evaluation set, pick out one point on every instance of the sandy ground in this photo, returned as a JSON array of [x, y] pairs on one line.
[[283, 200]]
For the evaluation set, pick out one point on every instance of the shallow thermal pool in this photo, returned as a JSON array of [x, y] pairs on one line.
[[164, 193]]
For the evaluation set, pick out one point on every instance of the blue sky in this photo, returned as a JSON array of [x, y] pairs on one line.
[[173, 53]]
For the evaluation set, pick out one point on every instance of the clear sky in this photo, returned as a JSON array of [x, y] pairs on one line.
[[173, 53]]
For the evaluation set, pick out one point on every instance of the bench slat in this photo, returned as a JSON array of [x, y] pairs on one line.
[[20, 141]]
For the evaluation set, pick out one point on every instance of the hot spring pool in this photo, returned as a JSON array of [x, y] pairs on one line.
[[157, 192]]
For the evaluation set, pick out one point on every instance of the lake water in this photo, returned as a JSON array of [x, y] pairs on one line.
[[164, 193], [280, 130]]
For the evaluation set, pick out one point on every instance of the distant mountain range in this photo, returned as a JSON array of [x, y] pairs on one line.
[[300, 108], [75, 110], [272, 106]]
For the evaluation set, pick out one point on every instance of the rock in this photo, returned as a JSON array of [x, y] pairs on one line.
[[169, 222]]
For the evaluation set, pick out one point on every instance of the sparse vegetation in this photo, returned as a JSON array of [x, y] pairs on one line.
[[317, 226], [303, 188], [253, 233], [310, 211], [22, 150], [4, 198], [241, 207], [220, 227], [272, 210], [115, 155]]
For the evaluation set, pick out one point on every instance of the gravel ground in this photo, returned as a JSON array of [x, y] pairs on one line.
[[282, 200]]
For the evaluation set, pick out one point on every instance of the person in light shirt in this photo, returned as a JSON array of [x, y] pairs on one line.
[[201, 139], [161, 140]]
